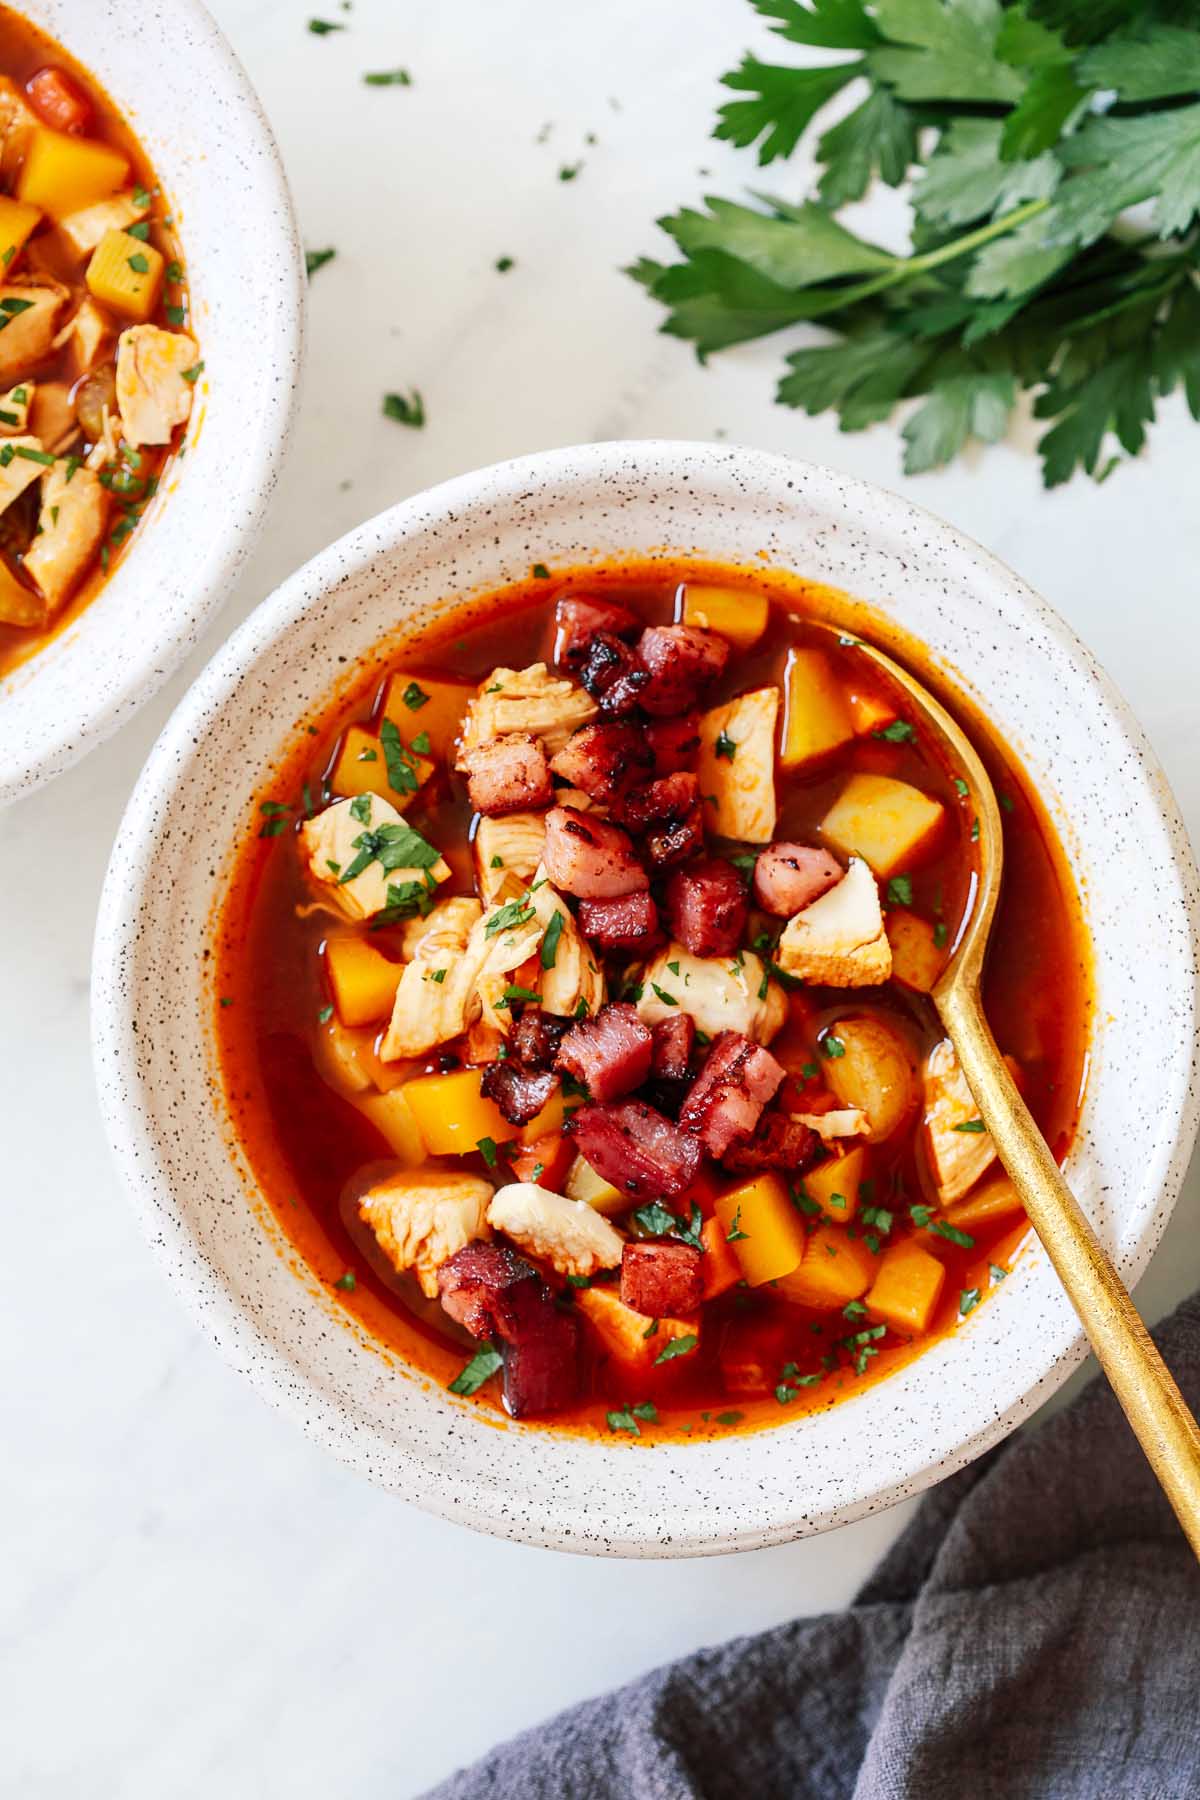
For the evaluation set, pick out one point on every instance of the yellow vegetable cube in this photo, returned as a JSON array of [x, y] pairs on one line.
[[888, 823], [763, 1228], [917, 960], [417, 703], [393, 1119], [17, 221], [994, 1199], [622, 1331], [907, 1288], [19, 605], [363, 979], [817, 716], [738, 614], [549, 1119], [869, 711], [836, 1269], [61, 174], [452, 1115], [737, 766], [361, 768], [834, 1185], [583, 1183], [125, 275]]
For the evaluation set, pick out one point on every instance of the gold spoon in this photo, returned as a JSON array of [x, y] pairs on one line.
[[1140, 1379]]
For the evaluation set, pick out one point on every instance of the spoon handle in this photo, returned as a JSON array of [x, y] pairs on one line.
[[1140, 1379]]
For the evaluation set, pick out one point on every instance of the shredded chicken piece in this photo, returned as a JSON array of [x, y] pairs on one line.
[[839, 940], [153, 395], [421, 1218], [830, 1126], [720, 993], [507, 852], [18, 472], [569, 1234], [436, 995], [956, 1157], [330, 841], [71, 523], [28, 337], [14, 410], [528, 700]]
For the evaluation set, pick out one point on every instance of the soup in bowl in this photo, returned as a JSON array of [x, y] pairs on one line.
[[512, 998]]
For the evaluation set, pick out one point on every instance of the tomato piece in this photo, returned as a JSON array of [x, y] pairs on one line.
[[60, 101]]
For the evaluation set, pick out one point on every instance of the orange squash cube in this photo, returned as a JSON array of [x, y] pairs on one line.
[[452, 1115], [817, 717], [631, 1338], [869, 711], [738, 614], [361, 768], [835, 1270], [917, 960], [906, 1288], [546, 1161], [762, 1228], [17, 221], [61, 174], [363, 979], [719, 1268], [421, 703], [993, 1199], [834, 1185], [889, 823], [125, 275]]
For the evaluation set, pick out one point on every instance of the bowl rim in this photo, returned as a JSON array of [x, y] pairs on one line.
[[112, 1011], [149, 661]]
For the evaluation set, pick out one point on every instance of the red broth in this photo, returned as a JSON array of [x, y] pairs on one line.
[[43, 86], [761, 1359]]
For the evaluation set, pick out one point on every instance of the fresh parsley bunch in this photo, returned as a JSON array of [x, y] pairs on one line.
[[1030, 130]]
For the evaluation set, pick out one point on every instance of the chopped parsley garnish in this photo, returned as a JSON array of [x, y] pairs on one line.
[[421, 743], [655, 1219], [996, 1272], [512, 914], [960, 787], [941, 932], [1006, 801], [324, 1015], [347, 1282], [414, 696], [392, 846], [313, 260], [899, 890], [486, 1147], [725, 746], [360, 809], [898, 732], [540, 572], [879, 1217], [497, 862], [405, 409], [680, 1346], [549, 950], [735, 1232], [193, 374], [976, 1125], [175, 315], [387, 78], [367, 755], [832, 1047], [35, 456], [503, 264], [626, 1419], [853, 1309], [322, 27], [568, 171], [667, 999], [968, 1300], [175, 269], [403, 774], [728, 1418], [514, 993], [405, 900], [140, 231], [974, 831], [481, 1367], [651, 1329]]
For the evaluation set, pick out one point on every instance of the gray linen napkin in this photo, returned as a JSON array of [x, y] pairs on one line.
[[1035, 1632]]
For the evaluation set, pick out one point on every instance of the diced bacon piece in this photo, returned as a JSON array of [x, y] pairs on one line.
[[520, 1093], [536, 1037], [727, 1100], [508, 775], [789, 877], [604, 759], [636, 1149], [781, 1142], [627, 923], [666, 798], [541, 1367], [675, 743], [706, 908], [682, 663], [610, 1054], [662, 1280], [612, 674], [489, 1290], [589, 857], [675, 840], [578, 619], [671, 1054]]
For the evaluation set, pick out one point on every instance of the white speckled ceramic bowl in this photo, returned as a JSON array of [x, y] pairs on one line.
[[196, 799], [175, 78]]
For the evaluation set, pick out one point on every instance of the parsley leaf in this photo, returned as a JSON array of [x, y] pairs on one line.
[[680, 1346], [316, 259], [406, 409], [481, 1367], [549, 948]]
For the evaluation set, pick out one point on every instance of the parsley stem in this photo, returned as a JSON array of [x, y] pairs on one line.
[[905, 266]]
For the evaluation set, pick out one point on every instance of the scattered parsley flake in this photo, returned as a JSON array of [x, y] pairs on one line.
[[316, 259], [405, 409], [482, 1366], [347, 1281]]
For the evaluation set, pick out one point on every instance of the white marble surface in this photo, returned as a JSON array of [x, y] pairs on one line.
[[195, 1601]]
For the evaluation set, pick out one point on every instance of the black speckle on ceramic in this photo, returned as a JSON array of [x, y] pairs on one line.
[[195, 800], [173, 75]]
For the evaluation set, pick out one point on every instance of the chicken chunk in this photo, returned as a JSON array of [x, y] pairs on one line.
[[340, 835], [446, 921], [71, 523], [737, 766], [957, 1150], [568, 1234], [507, 851], [154, 395], [31, 307], [846, 1122], [52, 417], [84, 229], [508, 776], [724, 995], [436, 995], [421, 1218], [85, 332], [529, 700], [789, 877], [18, 472], [839, 940]]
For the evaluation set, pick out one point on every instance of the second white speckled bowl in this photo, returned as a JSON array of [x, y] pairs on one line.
[[196, 799], [182, 89]]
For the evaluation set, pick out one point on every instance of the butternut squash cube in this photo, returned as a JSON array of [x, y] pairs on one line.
[[869, 711], [762, 1228], [834, 1185], [452, 1115], [393, 1119], [737, 614], [17, 222], [737, 766], [549, 1119], [363, 979], [61, 174], [719, 1268], [994, 1199], [623, 1332], [917, 960], [361, 768], [19, 605], [125, 275], [888, 823], [836, 1269], [817, 718], [906, 1288], [583, 1183], [419, 703]]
